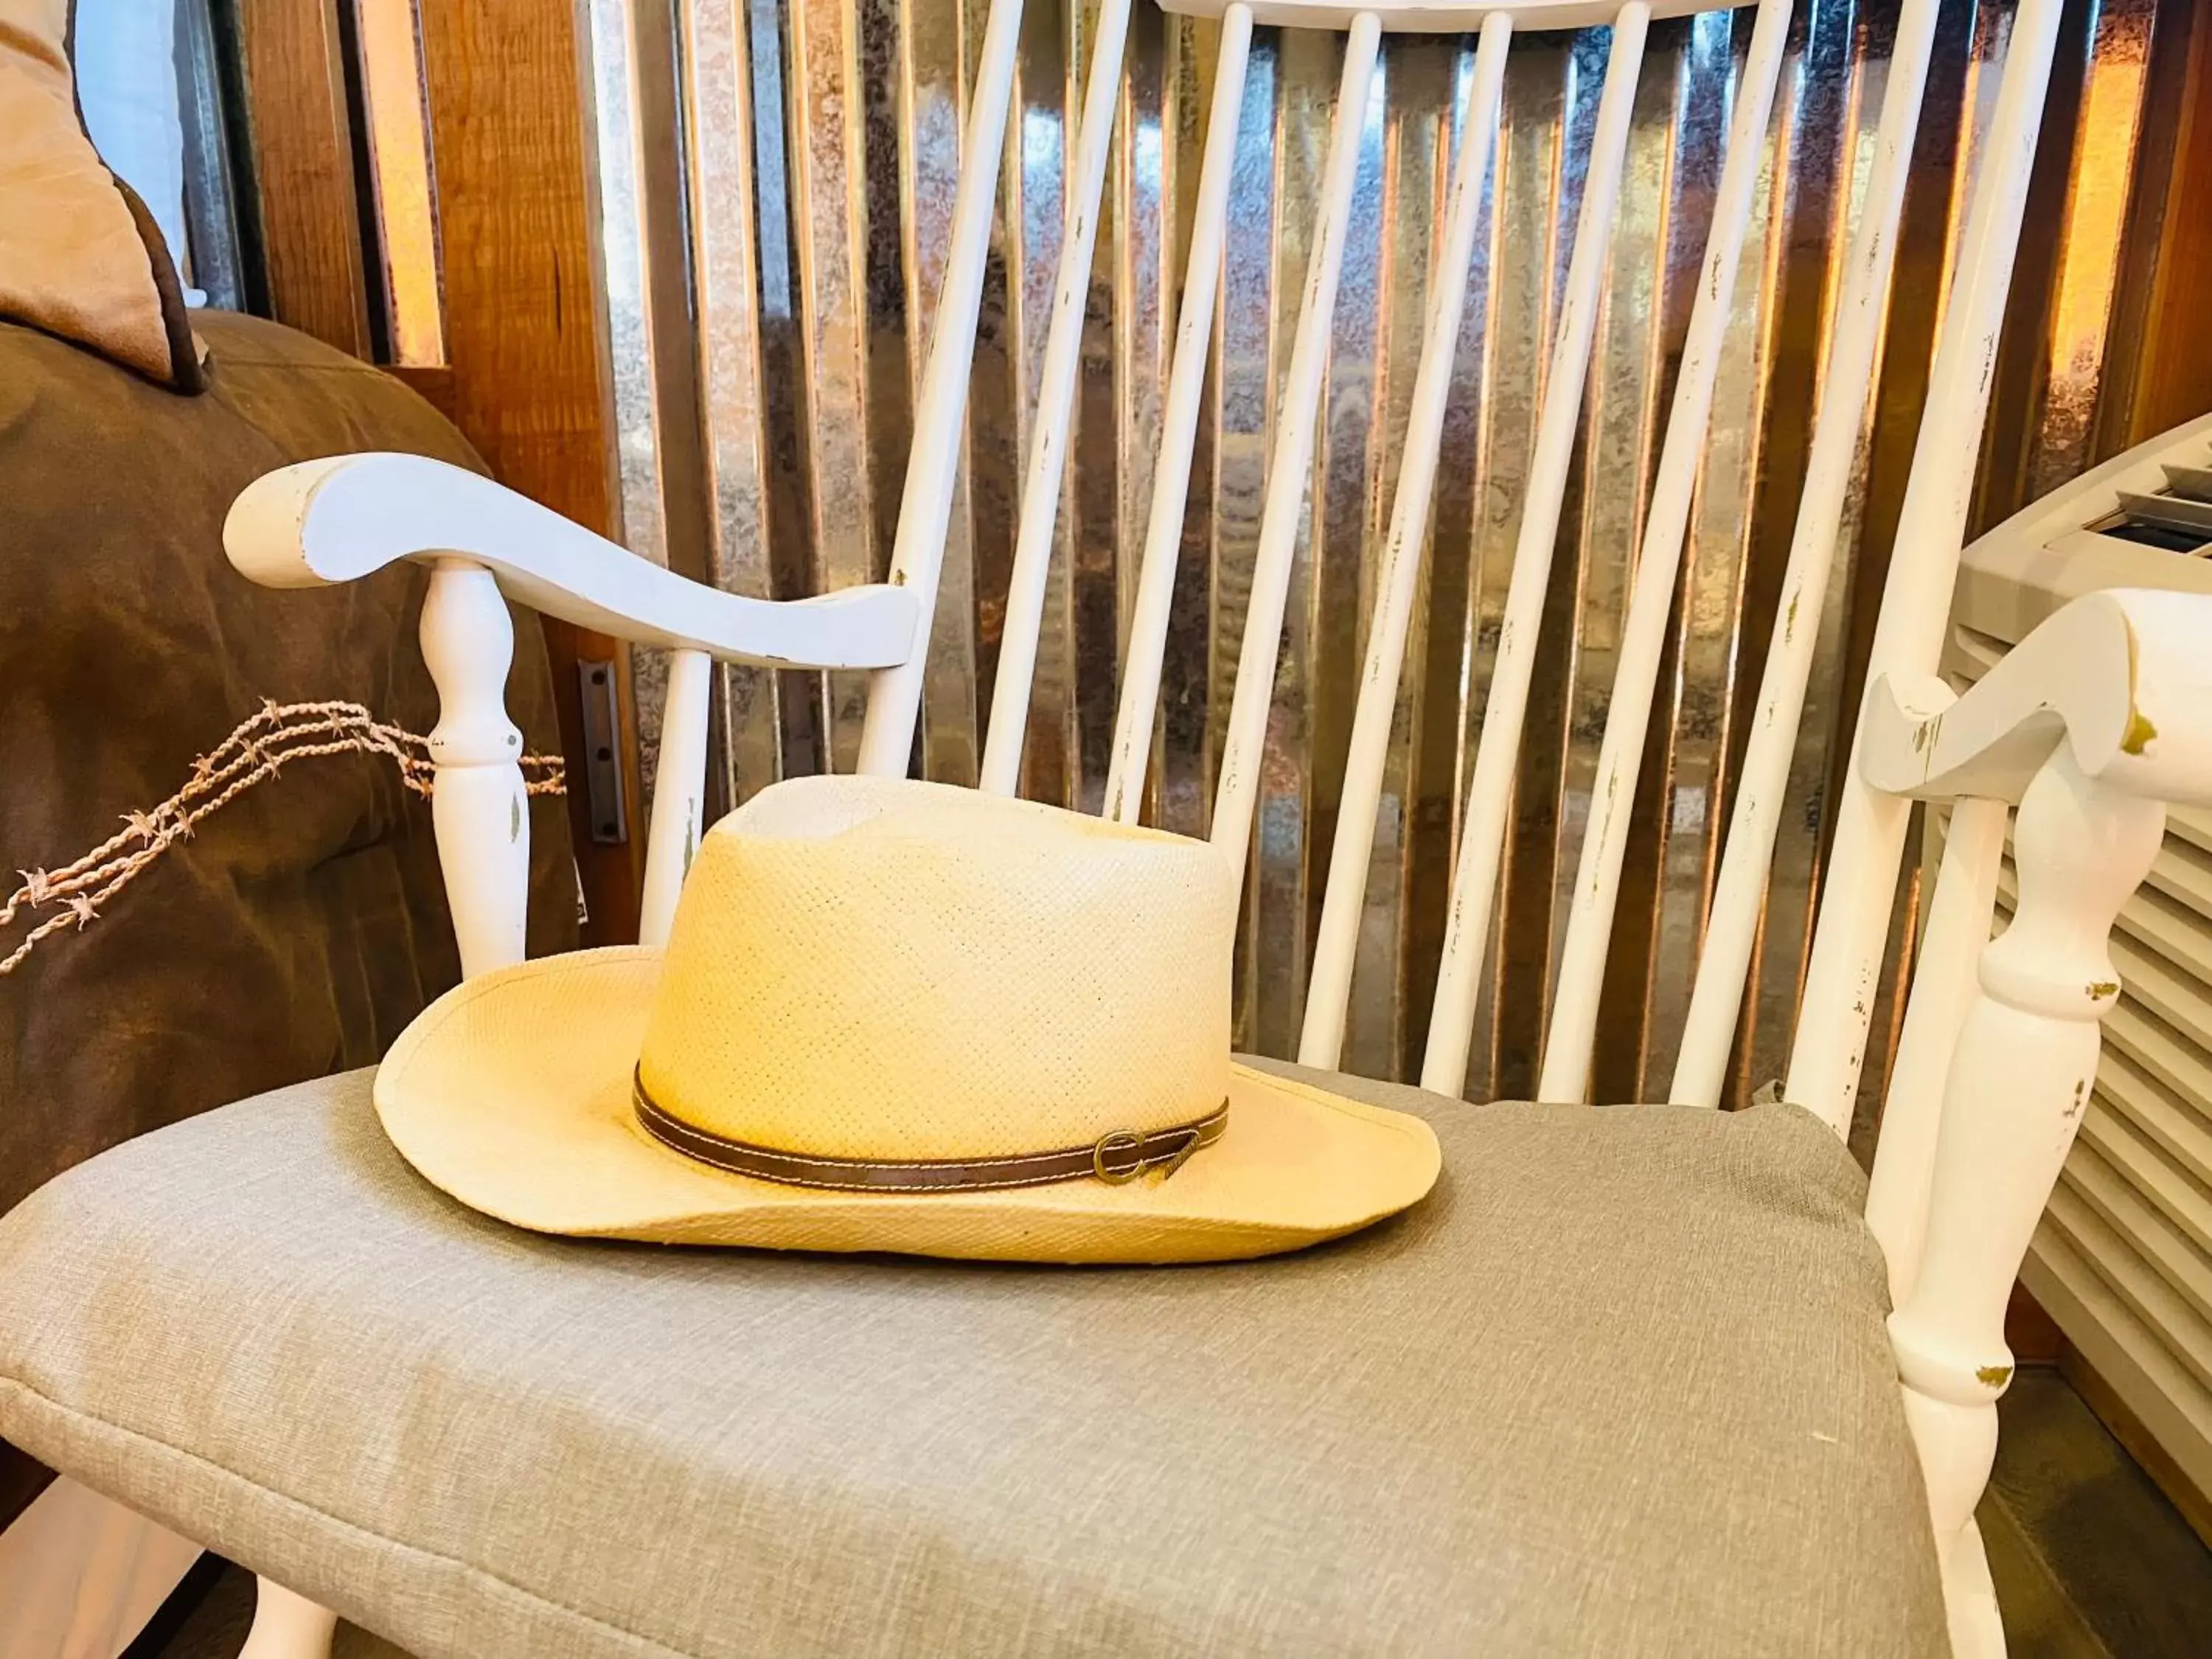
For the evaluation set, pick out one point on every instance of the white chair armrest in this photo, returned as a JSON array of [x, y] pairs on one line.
[[327, 521], [2124, 678]]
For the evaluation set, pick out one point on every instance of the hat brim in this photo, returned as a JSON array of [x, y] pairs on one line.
[[512, 1093]]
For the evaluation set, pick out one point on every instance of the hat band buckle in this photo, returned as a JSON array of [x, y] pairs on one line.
[[1116, 1157]]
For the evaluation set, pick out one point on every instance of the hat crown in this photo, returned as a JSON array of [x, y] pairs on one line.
[[882, 969]]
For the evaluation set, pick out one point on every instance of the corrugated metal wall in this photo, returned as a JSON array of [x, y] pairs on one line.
[[776, 183]]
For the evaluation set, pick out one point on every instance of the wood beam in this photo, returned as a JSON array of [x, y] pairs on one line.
[[529, 383]]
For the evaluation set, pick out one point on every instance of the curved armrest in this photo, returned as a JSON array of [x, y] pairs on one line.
[[2123, 677], [327, 521]]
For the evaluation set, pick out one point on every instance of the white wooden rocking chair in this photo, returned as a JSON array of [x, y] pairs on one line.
[[2090, 724]]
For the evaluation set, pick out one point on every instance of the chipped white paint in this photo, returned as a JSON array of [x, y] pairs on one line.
[[678, 786], [2108, 1232], [1572, 1028], [1139, 708], [335, 520], [1860, 884], [1048, 461], [2123, 677], [2093, 723], [2020, 1076], [330, 521], [1943, 980], [1482, 845], [1289, 462], [1398, 580], [939, 414], [1739, 891], [2090, 686]]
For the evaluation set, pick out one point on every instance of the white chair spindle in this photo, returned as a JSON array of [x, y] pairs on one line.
[[1943, 988], [479, 810], [1322, 1040], [1238, 786], [1481, 849], [679, 782], [1573, 1026], [1740, 893], [1148, 624], [933, 462], [1834, 1013], [1047, 462]]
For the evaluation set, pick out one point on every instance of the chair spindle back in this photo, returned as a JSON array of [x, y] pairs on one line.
[[1855, 901]]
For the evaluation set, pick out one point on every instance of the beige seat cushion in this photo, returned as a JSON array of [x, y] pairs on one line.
[[1619, 1386]]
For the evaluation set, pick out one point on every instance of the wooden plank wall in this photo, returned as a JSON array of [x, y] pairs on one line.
[[303, 169], [2174, 363], [522, 330], [525, 378]]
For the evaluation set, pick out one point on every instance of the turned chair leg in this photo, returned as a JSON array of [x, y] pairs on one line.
[[2020, 1078], [288, 1626], [483, 825], [479, 810]]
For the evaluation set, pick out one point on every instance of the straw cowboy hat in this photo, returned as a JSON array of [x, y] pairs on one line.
[[899, 1016]]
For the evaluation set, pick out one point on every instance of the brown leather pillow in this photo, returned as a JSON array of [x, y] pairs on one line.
[[79, 256]]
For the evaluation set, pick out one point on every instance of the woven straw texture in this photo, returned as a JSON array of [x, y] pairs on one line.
[[874, 968], [879, 969]]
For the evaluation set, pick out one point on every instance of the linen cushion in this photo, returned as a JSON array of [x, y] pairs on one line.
[[1619, 1385]]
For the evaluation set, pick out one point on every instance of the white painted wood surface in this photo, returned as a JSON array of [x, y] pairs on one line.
[[2019, 1077], [679, 789], [933, 461], [1396, 583], [1943, 982], [2124, 678], [2119, 685], [335, 520], [1498, 750], [1237, 788], [1740, 889], [1858, 887], [80, 1575], [2094, 722], [1572, 1028], [1138, 709], [288, 1626], [479, 807], [1046, 479], [2120, 1260]]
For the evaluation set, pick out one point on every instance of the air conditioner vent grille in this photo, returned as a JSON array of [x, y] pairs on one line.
[[2153, 532], [2177, 518]]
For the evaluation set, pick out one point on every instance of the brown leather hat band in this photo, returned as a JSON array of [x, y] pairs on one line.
[[1115, 1159]]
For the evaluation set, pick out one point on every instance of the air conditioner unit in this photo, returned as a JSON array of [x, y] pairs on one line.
[[2123, 1260]]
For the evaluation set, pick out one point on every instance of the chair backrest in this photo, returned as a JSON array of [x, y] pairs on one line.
[[1856, 899]]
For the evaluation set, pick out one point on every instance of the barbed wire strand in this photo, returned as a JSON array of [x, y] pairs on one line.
[[260, 747]]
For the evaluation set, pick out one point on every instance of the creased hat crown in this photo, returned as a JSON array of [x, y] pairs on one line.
[[872, 967]]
